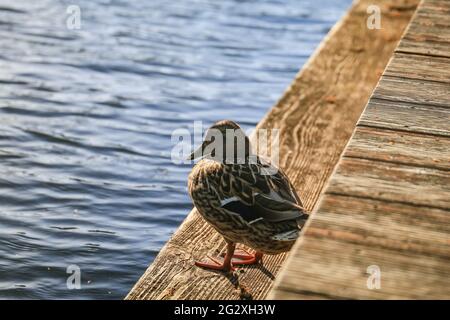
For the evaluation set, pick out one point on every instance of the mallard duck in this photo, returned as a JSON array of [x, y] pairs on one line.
[[244, 197]]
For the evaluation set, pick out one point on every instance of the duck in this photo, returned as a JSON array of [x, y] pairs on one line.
[[244, 197]]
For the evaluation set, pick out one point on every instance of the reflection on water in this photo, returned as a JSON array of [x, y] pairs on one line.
[[86, 117]]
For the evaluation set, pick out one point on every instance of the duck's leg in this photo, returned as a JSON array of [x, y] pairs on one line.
[[245, 259], [225, 265]]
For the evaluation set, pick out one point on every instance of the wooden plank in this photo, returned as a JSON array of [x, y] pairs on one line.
[[419, 67], [406, 117], [400, 147], [316, 116], [388, 202], [428, 48], [426, 278], [351, 234], [414, 91], [429, 33], [370, 217], [392, 182]]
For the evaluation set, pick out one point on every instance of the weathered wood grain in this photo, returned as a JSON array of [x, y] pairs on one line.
[[429, 32], [310, 274], [408, 117], [414, 91], [371, 232], [387, 204], [400, 147], [316, 116], [392, 182], [369, 216], [419, 67]]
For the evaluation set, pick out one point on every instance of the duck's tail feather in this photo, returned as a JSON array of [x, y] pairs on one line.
[[290, 235]]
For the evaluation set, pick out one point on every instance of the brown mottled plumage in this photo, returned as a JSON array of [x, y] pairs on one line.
[[247, 200]]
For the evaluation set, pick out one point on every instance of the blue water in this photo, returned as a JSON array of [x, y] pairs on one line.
[[86, 118]]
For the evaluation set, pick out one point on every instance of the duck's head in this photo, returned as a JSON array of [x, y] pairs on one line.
[[225, 142]]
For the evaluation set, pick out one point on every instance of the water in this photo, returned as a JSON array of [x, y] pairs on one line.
[[86, 118]]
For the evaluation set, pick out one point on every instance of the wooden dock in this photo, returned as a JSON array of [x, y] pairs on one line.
[[316, 115], [387, 205]]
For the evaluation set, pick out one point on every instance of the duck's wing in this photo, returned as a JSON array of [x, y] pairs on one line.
[[261, 191]]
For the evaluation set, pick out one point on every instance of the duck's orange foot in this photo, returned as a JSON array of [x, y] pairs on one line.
[[248, 259], [215, 264], [243, 257]]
